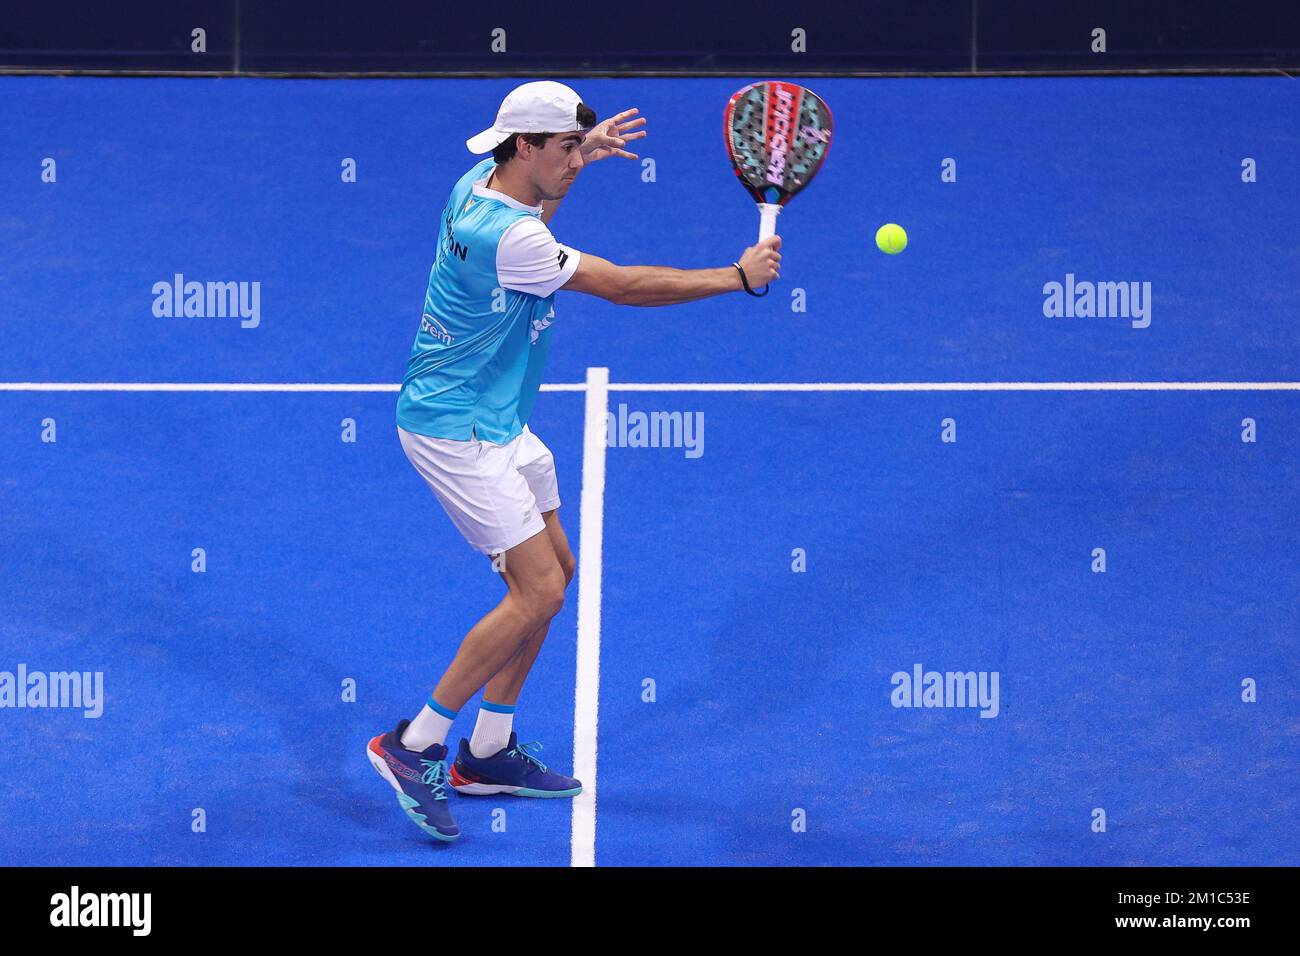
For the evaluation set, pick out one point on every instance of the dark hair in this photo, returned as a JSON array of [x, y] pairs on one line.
[[506, 151]]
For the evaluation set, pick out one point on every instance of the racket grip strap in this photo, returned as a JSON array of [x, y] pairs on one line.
[[744, 281]]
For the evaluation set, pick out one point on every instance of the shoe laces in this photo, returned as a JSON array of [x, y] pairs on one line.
[[435, 776], [527, 752]]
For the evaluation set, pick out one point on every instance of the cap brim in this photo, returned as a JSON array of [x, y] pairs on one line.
[[485, 141]]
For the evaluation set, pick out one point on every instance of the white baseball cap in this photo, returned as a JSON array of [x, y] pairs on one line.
[[541, 107]]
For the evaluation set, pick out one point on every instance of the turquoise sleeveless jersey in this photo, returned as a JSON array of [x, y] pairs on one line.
[[474, 372]]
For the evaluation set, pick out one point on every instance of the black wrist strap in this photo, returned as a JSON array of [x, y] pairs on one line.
[[744, 280]]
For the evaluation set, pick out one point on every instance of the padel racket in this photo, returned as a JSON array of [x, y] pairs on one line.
[[778, 135]]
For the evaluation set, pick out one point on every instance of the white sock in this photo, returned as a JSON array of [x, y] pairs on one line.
[[429, 727], [492, 729]]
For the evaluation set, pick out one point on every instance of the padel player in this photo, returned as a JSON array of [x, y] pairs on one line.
[[462, 419]]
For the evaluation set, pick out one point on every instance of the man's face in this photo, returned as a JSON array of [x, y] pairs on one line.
[[554, 167]]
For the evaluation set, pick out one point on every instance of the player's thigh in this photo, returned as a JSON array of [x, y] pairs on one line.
[[560, 542], [536, 464], [533, 571]]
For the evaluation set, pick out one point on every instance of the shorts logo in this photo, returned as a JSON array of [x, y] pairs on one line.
[[435, 328], [539, 326]]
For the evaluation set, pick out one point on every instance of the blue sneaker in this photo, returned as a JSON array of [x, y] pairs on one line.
[[420, 779], [514, 769]]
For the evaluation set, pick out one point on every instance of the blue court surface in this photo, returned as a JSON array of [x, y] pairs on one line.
[[759, 593]]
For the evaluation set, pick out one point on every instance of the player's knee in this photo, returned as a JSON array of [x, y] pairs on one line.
[[544, 598], [546, 604]]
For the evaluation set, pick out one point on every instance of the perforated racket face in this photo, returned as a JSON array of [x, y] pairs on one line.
[[778, 135]]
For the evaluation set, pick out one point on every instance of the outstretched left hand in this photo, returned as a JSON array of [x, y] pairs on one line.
[[606, 139]]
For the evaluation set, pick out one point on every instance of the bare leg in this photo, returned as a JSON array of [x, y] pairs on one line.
[[536, 584], [505, 686]]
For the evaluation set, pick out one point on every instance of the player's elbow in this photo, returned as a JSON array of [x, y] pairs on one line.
[[618, 295], [621, 288]]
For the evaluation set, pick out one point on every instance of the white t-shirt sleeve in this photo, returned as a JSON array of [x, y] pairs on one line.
[[530, 260]]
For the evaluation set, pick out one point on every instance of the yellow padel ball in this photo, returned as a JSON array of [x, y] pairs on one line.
[[891, 238]]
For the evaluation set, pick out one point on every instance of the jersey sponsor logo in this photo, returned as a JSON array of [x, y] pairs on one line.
[[563, 257], [538, 326], [449, 244], [435, 328]]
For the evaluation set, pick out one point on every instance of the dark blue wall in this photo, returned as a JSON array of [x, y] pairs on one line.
[[576, 36]]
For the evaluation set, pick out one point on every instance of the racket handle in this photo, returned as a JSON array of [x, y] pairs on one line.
[[767, 219]]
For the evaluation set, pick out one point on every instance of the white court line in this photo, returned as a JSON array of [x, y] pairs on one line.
[[225, 387], [586, 691], [677, 387], [953, 386]]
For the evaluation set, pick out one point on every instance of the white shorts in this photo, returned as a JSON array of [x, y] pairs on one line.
[[494, 494]]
